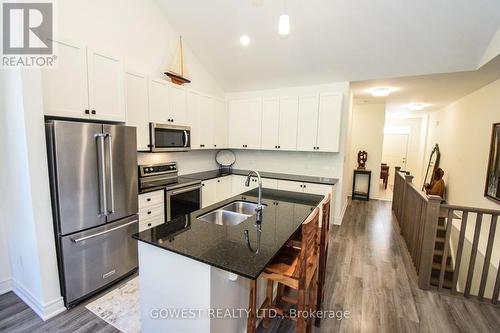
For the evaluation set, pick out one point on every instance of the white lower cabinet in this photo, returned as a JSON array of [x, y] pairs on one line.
[[215, 190], [151, 209], [208, 192]]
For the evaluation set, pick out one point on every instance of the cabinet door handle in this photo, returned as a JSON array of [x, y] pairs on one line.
[[218, 181], [94, 112], [149, 213], [149, 224], [87, 111], [148, 199]]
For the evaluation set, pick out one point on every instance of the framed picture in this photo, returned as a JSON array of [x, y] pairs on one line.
[[492, 190]]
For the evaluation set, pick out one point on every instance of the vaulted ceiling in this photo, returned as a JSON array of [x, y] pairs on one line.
[[333, 40]]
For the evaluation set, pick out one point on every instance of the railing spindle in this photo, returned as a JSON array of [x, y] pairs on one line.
[[487, 257], [473, 254], [444, 260], [460, 248], [496, 290]]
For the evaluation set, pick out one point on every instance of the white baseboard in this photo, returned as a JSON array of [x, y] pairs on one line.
[[338, 219], [5, 286], [44, 311]]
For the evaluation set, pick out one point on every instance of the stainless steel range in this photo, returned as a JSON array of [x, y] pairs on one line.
[[182, 195]]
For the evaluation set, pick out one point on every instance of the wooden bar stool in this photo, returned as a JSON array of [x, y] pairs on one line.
[[323, 252], [296, 268]]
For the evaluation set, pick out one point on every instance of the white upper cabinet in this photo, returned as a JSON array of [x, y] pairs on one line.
[[106, 97], [193, 118], [329, 122], [136, 101], [308, 123], [245, 123], [207, 122], [270, 123], [159, 111], [86, 83], [65, 90], [178, 101], [289, 109], [220, 124]]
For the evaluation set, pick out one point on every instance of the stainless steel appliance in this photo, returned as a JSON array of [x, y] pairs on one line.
[[165, 137], [182, 195], [93, 177]]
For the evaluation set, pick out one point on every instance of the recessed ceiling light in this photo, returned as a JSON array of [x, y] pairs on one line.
[[284, 25], [381, 91], [416, 106], [244, 40]]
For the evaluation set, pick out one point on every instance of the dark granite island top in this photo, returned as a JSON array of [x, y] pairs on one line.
[[224, 246], [206, 175]]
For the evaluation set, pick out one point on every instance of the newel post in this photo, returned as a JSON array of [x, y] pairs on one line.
[[428, 241]]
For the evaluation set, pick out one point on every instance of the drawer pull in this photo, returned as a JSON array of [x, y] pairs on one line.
[[148, 199], [149, 212]]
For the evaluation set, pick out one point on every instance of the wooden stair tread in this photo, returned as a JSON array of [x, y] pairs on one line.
[[446, 283], [437, 266]]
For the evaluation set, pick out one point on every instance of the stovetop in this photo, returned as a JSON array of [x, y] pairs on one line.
[[153, 177]]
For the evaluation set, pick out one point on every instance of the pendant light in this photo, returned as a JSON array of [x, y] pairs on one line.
[[284, 22]]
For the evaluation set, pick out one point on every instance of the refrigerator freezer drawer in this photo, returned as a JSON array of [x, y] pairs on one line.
[[97, 257]]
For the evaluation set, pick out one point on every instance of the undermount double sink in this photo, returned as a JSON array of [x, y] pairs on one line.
[[231, 214]]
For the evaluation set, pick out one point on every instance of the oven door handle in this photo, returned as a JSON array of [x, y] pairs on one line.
[[184, 190]]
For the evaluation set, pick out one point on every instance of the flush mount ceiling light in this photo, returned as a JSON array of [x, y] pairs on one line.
[[284, 22], [244, 40], [416, 106], [381, 91]]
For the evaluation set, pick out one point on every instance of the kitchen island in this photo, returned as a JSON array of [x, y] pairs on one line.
[[195, 275]]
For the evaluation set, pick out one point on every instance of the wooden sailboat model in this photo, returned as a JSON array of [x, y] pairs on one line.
[[176, 72]]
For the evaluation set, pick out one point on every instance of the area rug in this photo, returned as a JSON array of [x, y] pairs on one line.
[[120, 307]]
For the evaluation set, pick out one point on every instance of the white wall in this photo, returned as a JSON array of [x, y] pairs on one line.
[[26, 209], [463, 132], [316, 164], [368, 135], [138, 30], [188, 162]]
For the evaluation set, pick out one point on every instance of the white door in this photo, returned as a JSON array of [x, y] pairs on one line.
[[208, 192], [289, 111], [178, 109], [65, 87], [270, 123], [224, 188], [329, 122], [136, 99], [395, 151], [206, 122], [193, 118], [308, 123], [245, 123], [106, 85], [220, 124], [159, 110]]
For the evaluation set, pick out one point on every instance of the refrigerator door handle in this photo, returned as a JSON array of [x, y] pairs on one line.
[[102, 175], [77, 240], [111, 175]]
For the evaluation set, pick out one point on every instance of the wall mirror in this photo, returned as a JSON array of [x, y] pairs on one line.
[[432, 166]]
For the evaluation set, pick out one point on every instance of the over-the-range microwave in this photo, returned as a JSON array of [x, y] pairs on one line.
[[165, 137]]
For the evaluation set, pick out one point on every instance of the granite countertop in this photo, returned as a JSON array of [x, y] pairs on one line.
[[224, 247], [206, 175]]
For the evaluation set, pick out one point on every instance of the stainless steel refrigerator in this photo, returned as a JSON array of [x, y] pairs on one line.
[[93, 174]]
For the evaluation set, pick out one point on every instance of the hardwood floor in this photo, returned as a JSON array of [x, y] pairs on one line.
[[369, 273]]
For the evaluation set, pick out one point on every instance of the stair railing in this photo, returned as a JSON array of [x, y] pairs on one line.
[[418, 216]]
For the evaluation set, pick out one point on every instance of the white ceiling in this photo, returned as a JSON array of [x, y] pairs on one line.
[[333, 40], [438, 90]]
